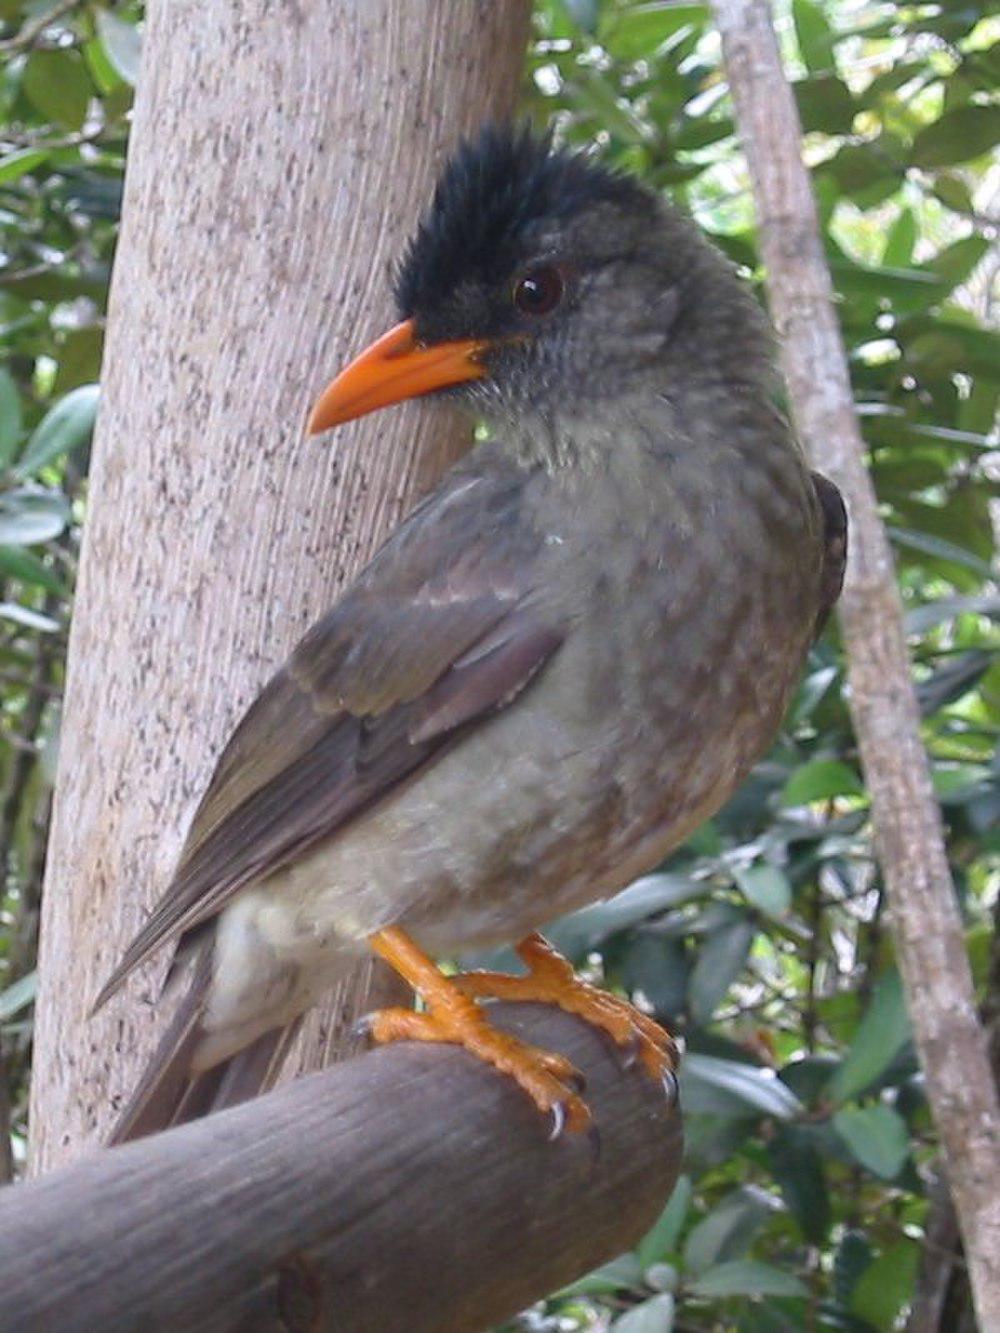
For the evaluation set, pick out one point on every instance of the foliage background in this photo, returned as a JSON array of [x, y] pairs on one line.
[[811, 1186]]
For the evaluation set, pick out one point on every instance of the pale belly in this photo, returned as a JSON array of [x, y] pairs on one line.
[[540, 811]]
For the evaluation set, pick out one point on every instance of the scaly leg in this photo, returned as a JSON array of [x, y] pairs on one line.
[[452, 1016], [551, 979]]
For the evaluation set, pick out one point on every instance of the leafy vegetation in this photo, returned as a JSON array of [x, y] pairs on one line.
[[763, 942]]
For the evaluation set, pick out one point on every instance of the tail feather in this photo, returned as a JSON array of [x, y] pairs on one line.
[[168, 1092]]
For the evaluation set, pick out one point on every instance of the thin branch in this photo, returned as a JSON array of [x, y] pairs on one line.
[[924, 912], [34, 28]]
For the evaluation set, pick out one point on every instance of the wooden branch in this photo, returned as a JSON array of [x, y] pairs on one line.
[[924, 914], [409, 1190]]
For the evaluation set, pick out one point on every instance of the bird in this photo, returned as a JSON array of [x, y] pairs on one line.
[[564, 660]]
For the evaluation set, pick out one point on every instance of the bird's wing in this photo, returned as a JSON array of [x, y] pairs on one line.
[[831, 505], [440, 630]]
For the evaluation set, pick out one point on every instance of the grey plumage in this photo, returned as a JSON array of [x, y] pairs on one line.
[[559, 665]]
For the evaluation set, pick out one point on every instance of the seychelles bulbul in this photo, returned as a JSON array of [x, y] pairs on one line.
[[564, 660]]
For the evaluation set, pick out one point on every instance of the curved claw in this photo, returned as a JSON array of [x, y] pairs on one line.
[[670, 1088], [577, 1080], [558, 1113], [361, 1028], [630, 1051]]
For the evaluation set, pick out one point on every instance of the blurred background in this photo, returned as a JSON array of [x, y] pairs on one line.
[[812, 1196]]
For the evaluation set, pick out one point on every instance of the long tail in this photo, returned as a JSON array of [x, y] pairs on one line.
[[170, 1094]]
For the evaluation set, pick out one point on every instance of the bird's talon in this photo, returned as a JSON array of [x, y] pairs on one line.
[[558, 1113], [670, 1088], [630, 1052], [558, 1066], [361, 1029]]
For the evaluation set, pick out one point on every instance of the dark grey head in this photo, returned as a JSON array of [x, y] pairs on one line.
[[541, 283], [581, 279]]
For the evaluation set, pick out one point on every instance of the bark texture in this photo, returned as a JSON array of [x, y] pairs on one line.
[[280, 154], [906, 817], [410, 1191]]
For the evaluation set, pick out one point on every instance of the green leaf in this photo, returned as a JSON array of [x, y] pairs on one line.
[[698, 132], [727, 1231], [954, 780], [958, 136], [902, 237], [619, 1274], [979, 411], [660, 968], [18, 563], [957, 262], [814, 36], [28, 516], [720, 960], [825, 104], [747, 1277], [798, 1168], [10, 417], [881, 1034], [923, 618], [953, 193], [820, 780], [862, 172], [710, 1085], [24, 615], [653, 1316], [951, 681], [907, 290], [927, 544], [661, 1239], [57, 83], [876, 1137], [64, 428], [601, 98], [766, 887], [950, 342], [886, 1285], [18, 996], [636, 33], [853, 1257], [79, 355], [122, 44], [20, 163], [580, 931], [106, 78]]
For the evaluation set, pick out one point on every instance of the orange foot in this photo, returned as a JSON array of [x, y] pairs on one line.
[[454, 1016], [551, 979], [549, 1080]]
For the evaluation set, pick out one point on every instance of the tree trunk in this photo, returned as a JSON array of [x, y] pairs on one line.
[[925, 920], [280, 154]]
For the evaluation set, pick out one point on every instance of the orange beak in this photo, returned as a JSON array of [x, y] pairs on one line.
[[395, 367]]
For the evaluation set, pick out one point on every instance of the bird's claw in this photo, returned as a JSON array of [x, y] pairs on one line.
[[630, 1051], [671, 1088], [361, 1028], [558, 1113]]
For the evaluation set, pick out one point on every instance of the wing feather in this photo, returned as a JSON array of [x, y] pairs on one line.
[[439, 632]]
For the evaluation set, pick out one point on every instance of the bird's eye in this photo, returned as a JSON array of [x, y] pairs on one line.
[[539, 291]]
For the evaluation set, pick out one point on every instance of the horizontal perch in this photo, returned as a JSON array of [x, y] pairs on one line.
[[409, 1189]]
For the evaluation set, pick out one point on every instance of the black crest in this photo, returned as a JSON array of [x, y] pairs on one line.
[[492, 189]]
